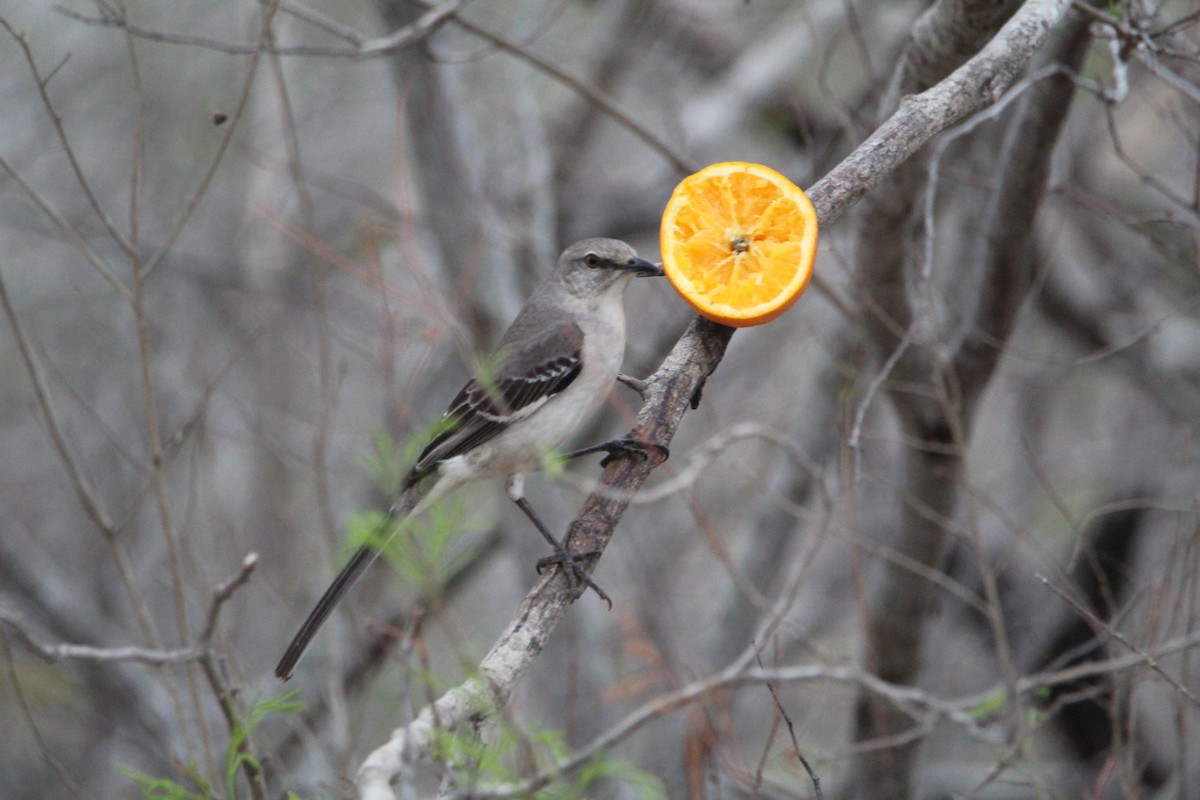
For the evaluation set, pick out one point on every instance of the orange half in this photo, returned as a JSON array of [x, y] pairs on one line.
[[738, 242]]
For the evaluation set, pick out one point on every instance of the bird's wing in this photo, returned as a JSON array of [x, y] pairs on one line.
[[525, 379]]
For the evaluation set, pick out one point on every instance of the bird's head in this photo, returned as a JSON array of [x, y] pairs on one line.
[[594, 266]]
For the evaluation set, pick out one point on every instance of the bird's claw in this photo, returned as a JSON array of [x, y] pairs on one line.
[[574, 573], [627, 446]]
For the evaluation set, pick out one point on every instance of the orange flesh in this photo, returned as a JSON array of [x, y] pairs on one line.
[[738, 245]]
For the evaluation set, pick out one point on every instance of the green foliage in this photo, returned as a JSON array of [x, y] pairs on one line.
[[994, 702], [153, 788], [385, 467], [389, 466], [235, 758], [421, 550], [478, 764]]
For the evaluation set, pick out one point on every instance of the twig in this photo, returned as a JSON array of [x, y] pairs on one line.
[[18, 692], [435, 16], [224, 592], [141, 655], [116, 235], [58, 652], [67, 230], [816, 781], [219, 682], [201, 651], [594, 95], [704, 456], [83, 487], [231, 127], [854, 443], [1100, 624], [362, 48], [636, 384]]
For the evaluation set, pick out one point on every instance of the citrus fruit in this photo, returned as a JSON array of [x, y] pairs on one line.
[[738, 242]]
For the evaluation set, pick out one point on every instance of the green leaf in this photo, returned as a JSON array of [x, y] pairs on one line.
[[152, 788], [285, 703], [990, 706]]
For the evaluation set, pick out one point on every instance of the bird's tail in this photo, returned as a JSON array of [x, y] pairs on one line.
[[363, 558]]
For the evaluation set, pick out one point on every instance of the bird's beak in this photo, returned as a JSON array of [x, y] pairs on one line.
[[642, 268]]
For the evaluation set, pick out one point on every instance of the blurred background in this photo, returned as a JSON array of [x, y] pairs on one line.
[[237, 284]]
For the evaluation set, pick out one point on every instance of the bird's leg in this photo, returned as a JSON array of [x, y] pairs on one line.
[[625, 445], [575, 574]]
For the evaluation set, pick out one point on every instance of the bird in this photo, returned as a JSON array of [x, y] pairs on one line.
[[552, 370]]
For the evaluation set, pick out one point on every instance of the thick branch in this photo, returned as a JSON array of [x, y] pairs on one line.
[[942, 417], [1006, 248]]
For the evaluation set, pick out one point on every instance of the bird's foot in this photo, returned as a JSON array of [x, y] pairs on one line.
[[576, 574], [626, 446]]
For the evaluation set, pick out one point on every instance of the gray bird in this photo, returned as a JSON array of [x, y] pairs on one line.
[[551, 371]]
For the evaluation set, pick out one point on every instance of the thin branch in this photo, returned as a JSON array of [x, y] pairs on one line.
[[705, 455], [18, 692], [362, 47], [854, 443], [435, 16], [140, 655], [962, 711], [816, 781], [69, 151], [83, 487], [84, 490], [221, 686], [323, 22], [602, 100], [67, 230], [224, 593], [231, 127], [61, 652], [1100, 624]]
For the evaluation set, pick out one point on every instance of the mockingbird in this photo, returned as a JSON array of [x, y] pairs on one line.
[[551, 371]]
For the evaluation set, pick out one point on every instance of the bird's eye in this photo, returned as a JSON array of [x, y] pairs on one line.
[[591, 260]]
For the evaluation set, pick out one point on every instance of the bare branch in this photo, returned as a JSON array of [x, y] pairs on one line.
[[67, 230], [363, 47], [594, 95], [224, 592], [84, 184], [705, 455], [58, 652], [1109, 630], [924, 708], [264, 37], [141, 655], [83, 487]]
